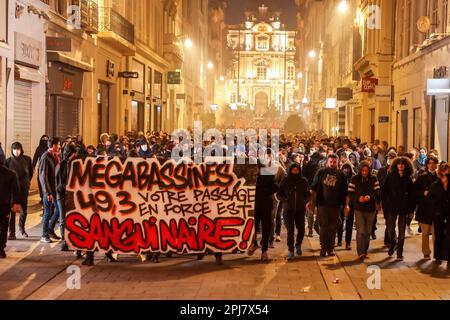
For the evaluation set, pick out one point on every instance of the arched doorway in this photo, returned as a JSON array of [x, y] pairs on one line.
[[261, 102]]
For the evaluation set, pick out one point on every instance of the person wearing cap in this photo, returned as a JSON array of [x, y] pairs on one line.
[[9, 200], [424, 212], [22, 165]]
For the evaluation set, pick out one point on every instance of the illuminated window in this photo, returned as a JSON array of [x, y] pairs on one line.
[[291, 73], [263, 43]]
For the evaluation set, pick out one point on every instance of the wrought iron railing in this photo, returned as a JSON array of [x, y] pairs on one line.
[[111, 20]]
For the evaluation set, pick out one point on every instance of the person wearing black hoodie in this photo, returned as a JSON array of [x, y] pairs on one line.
[[62, 171], [9, 200], [266, 188], [350, 217], [294, 193], [399, 201], [23, 167], [309, 171]]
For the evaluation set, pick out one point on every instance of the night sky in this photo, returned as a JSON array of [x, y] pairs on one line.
[[236, 8]]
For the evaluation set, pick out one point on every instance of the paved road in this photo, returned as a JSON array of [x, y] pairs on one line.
[[38, 271]]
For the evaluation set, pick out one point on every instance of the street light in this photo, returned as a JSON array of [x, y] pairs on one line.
[[222, 78], [188, 43], [343, 6], [300, 75], [210, 65], [312, 54]]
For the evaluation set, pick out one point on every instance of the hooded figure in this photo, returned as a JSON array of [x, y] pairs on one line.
[[23, 167], [62, 169], [40, 150], [294, 192], [144, 151]]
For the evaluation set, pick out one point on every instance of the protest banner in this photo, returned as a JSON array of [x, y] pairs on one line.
[[136, 206]]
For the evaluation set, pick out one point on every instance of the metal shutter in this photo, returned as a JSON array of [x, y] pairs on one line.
[[22, 114], [67, 117]]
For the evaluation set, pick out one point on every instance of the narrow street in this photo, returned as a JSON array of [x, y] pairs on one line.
[[37, 271]]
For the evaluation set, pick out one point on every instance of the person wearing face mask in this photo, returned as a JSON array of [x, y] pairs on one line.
[[23, 167], [144, 151], [420, 162], [294, 194], [47, 177]]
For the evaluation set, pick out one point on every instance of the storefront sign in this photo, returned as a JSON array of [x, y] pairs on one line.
[[369, 84], [344, 94], [383, 93], [437, 87], [64, 80], [129, 75], [383, 119], [59, 44], [136, 206], [440, 73], [28, 50], [174, 77], [403, 102], [330, 103], [110, 68]]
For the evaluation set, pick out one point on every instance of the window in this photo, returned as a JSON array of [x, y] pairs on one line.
[[417, 127], [262, 72], [3, 20], [291, 73], [263, 43], [233, 97]]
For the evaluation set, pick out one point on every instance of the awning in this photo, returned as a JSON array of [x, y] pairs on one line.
[[60, 57], [27, 73]]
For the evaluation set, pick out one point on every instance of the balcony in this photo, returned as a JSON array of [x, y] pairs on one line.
[[89, 16], [173, 51], [116, 30]]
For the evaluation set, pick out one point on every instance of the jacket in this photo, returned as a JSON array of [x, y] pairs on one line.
[[9, 189], [61, 170], [265, 189], [23, 167], [294, 191], [360, 187], [440, 200], [398, 194], [424, 213], [47, 174]]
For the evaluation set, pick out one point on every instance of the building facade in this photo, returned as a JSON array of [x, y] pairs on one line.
[[262, 71], [422, 56]]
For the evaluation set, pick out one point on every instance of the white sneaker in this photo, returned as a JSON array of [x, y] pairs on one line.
[[278, 239], [46, 240]]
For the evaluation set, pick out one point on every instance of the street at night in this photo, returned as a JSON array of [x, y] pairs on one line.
[[215, 151]]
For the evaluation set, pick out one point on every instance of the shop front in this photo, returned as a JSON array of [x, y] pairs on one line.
[[64, 107]]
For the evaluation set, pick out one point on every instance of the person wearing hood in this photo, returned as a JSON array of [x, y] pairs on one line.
[[117, 150], [9, 200], [23, 167], [266, 188], [144, 151], [62, 170], [349, 219], [364, 195], [40, 150], [294, 193], [105, 142]]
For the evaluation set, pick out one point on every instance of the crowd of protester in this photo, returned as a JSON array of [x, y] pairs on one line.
[[323, 184]]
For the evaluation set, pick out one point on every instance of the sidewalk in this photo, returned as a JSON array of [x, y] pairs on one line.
[[39, 271]]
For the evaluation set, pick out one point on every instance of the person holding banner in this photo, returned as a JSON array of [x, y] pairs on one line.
[[265, 191], [62, 170]]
